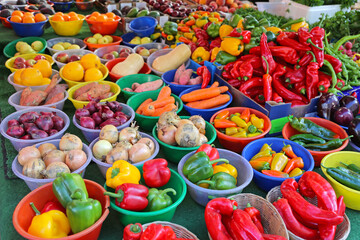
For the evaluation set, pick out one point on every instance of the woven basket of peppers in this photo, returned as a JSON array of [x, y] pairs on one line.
[[180, 231]]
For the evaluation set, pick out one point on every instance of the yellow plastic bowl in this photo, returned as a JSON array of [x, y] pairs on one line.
[[69, 28], [80, 104], [351, 196], [10, 62], [71, 83]]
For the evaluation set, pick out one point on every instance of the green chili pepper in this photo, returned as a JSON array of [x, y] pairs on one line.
[[291, 22], [264, 22], [333, 73], [158, 199], [330, 145], [304, 125], [307, 138], [352, 167], [220, 181], [299, 142], [348, 180], [344, 39]]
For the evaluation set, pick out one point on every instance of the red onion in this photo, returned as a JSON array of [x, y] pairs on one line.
[[111, 121], [114, 106], [98, 106], [13, 122], [97, 118], [44, 122], [122, 119], [26, 137], [28, 127], [29, 117], [107, 114], [36, 134], [15, 131], [59, 123], [87, 122], [52, 132], [81, 112], [91, 107], [50, 114]]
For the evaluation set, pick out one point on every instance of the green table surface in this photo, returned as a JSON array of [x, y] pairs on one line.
[[188, 214]]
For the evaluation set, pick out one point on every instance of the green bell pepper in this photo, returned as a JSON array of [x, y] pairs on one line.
[[158, 199], [65, 185], [170, 28], [258, 31], [254, 42], [220, 181], [199, 167], [213, 30], [234, 20], [264, 22], [270, 36], [224, 58], [82, 212], [250, 22]]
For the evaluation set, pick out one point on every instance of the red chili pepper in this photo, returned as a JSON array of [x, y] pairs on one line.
[[340, 84], [354, 94], [275, 173], [253, 92], [170, 234], [205, 74], [245, 115], [227, 222], [156, 172], [234, 72], [306, 223], [214, 211], [317, 47], [296, 162], [234, 82], [324, 82], [255, 216], [210, 151], [272, 237], [305, 60], [154, 232], [266, 55], [258, 72], [295, 76], [287, 53], [304, 35], [253, 82], [246, 70], [312, 79], [267, 79], [300, 88], [223, 123], [285, 39], [132, 232], [215, 43], [335, 63], [276, 97], [243, 223], [229, 66], [226, 75], [287, 149], [52, 205], [297, 103], [285, 93], [205, 27], [130, 196]]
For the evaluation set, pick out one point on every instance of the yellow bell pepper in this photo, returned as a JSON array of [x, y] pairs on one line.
[[122, 172], [216, 14], [233, 46], [214, 52], [224, 31], [265, 153], [189, 35], [273, 29], [51, 224], [296, 26], [213, 19], [257, 122], [200, 22], [279, 162], [194, 39], [230, 168], [240, 24], [200, 55]]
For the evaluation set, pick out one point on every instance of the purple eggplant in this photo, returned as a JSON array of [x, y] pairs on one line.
[[343, 116], [351, 103], [327, 105], [354, 130]]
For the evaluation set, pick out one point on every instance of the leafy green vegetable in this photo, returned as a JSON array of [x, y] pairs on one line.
[[313, 3]]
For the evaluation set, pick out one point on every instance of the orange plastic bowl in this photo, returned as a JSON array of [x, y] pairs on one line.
[[104, 28], [288, 131], [5, 22], [110, 64], [23, 213], [237, 144], [92, 47]]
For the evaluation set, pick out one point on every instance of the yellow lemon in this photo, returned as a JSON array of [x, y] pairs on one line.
[[44, 67], [90, 61], [73, 71], [31, 77], [17, 76], [93, 74]]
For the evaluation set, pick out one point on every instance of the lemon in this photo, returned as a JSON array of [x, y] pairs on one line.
[[73, 71], [93, 74]]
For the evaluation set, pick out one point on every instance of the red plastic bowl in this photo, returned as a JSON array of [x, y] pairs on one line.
[[92, 47], [5, 22], [104, 28], [237, 144], [288, 131], [23, 213], [110, 64]]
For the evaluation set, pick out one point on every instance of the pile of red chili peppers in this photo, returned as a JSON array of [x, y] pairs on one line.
[[287, 72], [304, 219]]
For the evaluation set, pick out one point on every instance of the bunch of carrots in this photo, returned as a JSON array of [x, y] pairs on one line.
[[164, 103], [207, 97]]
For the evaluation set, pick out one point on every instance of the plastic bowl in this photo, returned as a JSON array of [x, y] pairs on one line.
[[127, 37], [5, 22], [203, 195], [126, 217], [20, 143], [34, 183], [10, 62], [157, 54], [71, 83], [114, 77], [62, 6], [14, 100], [175, 153], [205, 113], [145, 122], [10, 50], [91, 134], [104, 28], [237, 144], [265, 182], [71, 52], [68, 28], [28, 29], [92, 47], [84, 5], [351, 196], [103, 166], [53, 41], [127, 81], [23, 213], [152, 45], [168, 78], [80, 104], [354, 146], [143, 26], [108, 49], [18, 87], [288, 131]]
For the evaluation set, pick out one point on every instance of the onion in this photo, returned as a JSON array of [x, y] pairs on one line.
[[13, 122], [130, 134], [59, 123], [69, 142], [44, 122], [33, 168], [26, 137], [29, 117], [50, 114], [45, 148], [29, 127], [187, 135], [87, 122], [202, 139], [101, 148], [54, 156], [110, 121], [97, 118], [81, 112], [121, 117], [75, 159], [139, 152], [91, 107], [15, 131], [168, 118], [124, 144], [109, 133], [117, 153], [38, 134], [54, 168], [106, 114], [148, 143], [28, 153], [52, 132], [114, 106], [199, 123], [166, 134]]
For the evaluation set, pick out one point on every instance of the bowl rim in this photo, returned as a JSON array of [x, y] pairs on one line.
[[62, 3], [171, 84], [11, 81], [144, 74], [7, 63], [157, 43], [91, 1], [79, 82], [24, 39]]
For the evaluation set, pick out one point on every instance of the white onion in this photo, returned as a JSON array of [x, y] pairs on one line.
[[75, 159], [124, 144], [130, 134], [117, 153], [167, 134], [101, 148], [28, 153], [54, 168], [149, 143], [199, 123], [169, 118], [69, 142], [45, 148], [54, 156], [33, 168], [139, 152], [109, 133], [187, 135], [202, 139]]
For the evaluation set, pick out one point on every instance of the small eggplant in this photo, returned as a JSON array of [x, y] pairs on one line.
[[354, 130], [327, 105], [351, 103], [343, 116]]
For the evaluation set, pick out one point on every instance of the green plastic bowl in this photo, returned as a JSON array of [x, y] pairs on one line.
[[127, 81], [127, 217], [10, 50], [175, 153], [145, 122]]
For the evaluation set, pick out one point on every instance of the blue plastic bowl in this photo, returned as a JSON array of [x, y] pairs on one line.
[[205, 113], [28, 29], [127, 37], [143, 26], [62, 6], [265, 182]]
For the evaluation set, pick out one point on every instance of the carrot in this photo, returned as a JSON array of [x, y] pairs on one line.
[[164, 92], [141, 107], [210, 103], [167, 108], [163, 102], [148, 110], [215, 84], [203, 94]]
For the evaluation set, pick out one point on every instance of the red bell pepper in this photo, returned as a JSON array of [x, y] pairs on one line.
[[170, 234], [266, 55], [317, 47], [205, 74], [130, 196], [215, 43], [255, 216], [324, 82], [340, 84], [156, 172], [132, 232], [234, 71], [305, 60], [52, 205], [245, 70], [234, 82], [267, 79], [295, 76], [304, 35], [154, 232], [210, 151], [285, 93], [245, 35], [287, 53], [243, 223]]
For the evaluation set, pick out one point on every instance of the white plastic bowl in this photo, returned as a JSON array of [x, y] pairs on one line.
[[103, 167], [107, 49], [20, 143], [149, 46], [53, 41], [70, 52], [33, 183]]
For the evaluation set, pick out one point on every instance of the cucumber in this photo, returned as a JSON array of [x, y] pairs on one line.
[[133, 12]]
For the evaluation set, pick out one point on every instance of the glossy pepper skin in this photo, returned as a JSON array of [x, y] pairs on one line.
[[82, 212], [224, 31], [158, 199], [245, 71], [154, 232], [232, 46], [287, 53], [205, 74], [130, 196], [122, 172], [255, 216], [52, 224], [280, 89], [267, 79], [156, 172], [53, 206], [279, 162], [336, 63], [324, 82], [267, 59], [170, 28], [317, 38], [213, 30], [295, 76], [133, 232], [170, 234], [226, 167], [65, 185], [224, 58], [285, 40], [210, 151], [307, 126], [200, 55], [243, 222], [220, 181], [293, 163], [235, 20]]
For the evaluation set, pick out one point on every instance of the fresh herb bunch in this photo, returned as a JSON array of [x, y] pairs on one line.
[[273, 19], [313, 3]]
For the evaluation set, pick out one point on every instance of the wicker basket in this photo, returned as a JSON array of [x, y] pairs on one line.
[[270, 218], [342, 230], [180, 231]]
